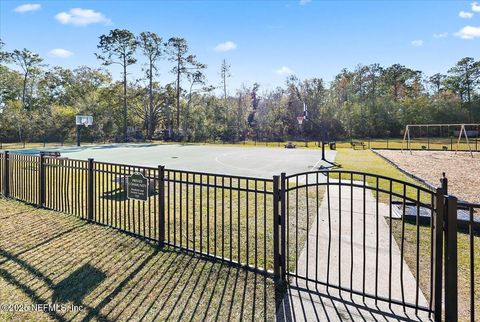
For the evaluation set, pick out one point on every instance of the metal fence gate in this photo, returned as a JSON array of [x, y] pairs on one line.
[[344, 233]]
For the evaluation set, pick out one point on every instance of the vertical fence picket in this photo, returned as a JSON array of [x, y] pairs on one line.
[[6, 174], [41, 181], [438, 253], [276, 228], [161, 205], [451, 268], [90, 180]]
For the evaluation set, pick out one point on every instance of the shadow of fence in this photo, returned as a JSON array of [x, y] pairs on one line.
[[97, 273]]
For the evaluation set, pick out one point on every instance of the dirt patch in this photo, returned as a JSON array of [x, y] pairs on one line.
[[462, 171]]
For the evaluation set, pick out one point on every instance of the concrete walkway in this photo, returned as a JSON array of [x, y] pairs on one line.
[[313, 302]]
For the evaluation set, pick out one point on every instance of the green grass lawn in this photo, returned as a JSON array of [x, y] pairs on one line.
[[47, 257], [228, 217], [368, 161], [395, 143], [415, 143]]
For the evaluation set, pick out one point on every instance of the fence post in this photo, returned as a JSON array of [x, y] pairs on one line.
[[438, 253], [276, 229], [451, 283], [444, 183], [41, 181], [6, 181], [90, 181], [283, 215], [161, 205]]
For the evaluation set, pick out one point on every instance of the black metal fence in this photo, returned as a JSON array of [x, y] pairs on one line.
[[346, 231], [351, 241], [471, 305], [226, 217]]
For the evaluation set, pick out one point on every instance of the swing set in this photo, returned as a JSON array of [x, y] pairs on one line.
[[462, 132]]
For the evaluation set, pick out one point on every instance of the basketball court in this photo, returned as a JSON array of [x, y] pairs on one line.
[[243, 161]]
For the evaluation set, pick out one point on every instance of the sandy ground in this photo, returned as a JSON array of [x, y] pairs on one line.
[[462, 171]]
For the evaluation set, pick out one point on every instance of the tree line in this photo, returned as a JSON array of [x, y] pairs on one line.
[[39, 102]]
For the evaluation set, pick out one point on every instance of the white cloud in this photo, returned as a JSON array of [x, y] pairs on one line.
[[284, 70], [82, 17], [475, 7], [417, 43], [304, 2], [465, 15], [225, 46], [468, 32], [60, 53], [441, 35], [27, 7]]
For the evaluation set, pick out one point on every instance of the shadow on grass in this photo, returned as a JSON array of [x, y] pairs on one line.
[[115, 195], [113, 276], [463, 227], [77, 285]]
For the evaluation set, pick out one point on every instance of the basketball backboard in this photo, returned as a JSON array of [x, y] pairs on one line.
[[84, 120]]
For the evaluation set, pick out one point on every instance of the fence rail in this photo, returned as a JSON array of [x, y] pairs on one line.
[[262, 224]]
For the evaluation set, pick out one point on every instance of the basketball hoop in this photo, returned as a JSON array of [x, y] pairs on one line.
[[82, 120], [300, 119]]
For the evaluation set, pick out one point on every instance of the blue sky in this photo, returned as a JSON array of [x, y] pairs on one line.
[[262, 40]]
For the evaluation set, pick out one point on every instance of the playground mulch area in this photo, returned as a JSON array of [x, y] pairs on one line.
[[462, 171]]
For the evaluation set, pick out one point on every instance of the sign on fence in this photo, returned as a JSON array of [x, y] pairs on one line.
[[137, 187]]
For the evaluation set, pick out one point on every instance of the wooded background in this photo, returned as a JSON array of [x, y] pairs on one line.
[[38, 102]]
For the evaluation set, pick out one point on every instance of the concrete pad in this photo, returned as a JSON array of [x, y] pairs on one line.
[[262, 162]]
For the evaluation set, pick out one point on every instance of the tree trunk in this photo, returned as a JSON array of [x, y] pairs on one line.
[[187, 112], [178, 93], [151, 120], [225, 87], [24, 92], [124, 99], [395, 92], [469, 99], [239, 115]]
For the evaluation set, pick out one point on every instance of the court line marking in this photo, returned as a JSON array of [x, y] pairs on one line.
[[316, 164], [232, 166]]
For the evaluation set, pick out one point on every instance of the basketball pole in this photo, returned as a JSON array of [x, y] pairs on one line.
[[78, 135], [305, 116]]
